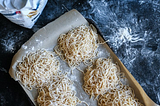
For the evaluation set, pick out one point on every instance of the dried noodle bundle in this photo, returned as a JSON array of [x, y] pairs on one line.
[[119, 97], [100, 77], [37, 68], [78, 45], [58, 93]]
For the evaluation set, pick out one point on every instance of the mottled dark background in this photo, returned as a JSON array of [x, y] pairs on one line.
[[131, 26]]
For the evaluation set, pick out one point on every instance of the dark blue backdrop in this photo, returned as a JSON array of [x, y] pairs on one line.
[[131, 26]]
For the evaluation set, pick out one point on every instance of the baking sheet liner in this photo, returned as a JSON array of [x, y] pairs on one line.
[[46, 38]]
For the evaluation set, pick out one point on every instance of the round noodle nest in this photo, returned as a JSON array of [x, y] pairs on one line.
[[100, 77], [58, 93], [37, 68], [119, 97], [78, 45]]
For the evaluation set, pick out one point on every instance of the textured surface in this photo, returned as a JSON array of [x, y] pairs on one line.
[[131, 26]]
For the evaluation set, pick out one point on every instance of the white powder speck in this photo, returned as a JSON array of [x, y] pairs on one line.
[[37, 40], [73, 78], [4, 70], [24, 47], [8, 45], [33, 48], [123, 35], [73, 88], [158, 95], [9, 42], [141, 2], [3, 101]]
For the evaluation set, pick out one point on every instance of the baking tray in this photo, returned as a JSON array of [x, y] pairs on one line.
[[47, 36]]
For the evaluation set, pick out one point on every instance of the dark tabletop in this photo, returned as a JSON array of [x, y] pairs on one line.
[[131, 26]]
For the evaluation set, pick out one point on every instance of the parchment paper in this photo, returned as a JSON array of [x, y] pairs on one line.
[[46, 38]]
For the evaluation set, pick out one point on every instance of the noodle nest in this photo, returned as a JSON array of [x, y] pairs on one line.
[[119, 97], [100, 77], [58, 93], [78, 45], [37, 68]]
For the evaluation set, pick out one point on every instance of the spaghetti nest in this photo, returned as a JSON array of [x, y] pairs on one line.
[[100, 77], [78, 45], [37, 68], [58, 93], [119, 97]]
